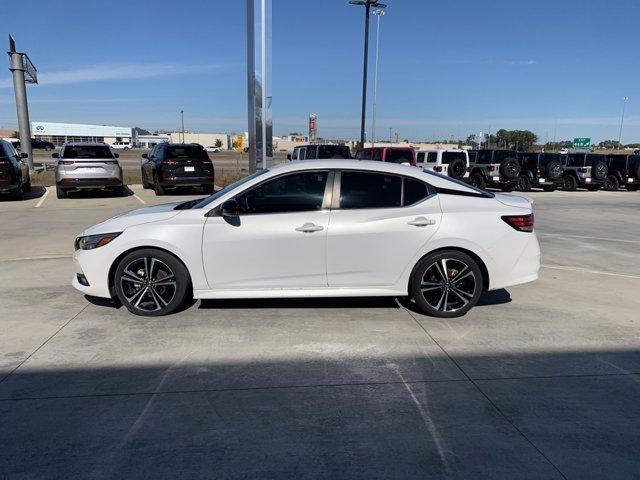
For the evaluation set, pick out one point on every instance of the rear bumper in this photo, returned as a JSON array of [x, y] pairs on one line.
[[80, 183], [589, 182], [169, 182], [8, 185]]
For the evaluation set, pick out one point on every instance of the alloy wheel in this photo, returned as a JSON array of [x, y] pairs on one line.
[[148, 284], [448, 285]]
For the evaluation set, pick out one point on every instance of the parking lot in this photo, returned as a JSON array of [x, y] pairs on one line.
[[540, 381]]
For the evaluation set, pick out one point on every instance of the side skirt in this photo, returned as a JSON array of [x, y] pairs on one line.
[[300, 293]]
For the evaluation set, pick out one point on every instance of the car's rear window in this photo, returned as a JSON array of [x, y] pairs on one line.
[[334, 151], [399, 156], [500, 155], [87, 151], [448, 157], [591, 159], [545, 158], [186, 151]]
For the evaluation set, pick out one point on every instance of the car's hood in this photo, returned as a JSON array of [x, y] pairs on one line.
[[135, 217], [513, 200]]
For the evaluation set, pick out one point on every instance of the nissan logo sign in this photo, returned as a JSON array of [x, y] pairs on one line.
[[39, 127]]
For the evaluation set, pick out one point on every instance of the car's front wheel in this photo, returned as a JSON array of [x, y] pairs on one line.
[[151, 282], [446, 284]]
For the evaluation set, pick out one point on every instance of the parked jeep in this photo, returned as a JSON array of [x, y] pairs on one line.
[[584, 170], [310, 152], [454, 163], [541, 170], [623, 170], [494, 168], [388, 154]]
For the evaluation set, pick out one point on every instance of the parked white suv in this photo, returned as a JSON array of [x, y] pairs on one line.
[[121, 146], [453, 163]]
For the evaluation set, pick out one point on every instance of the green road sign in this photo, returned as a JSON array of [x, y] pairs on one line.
[[581, 142]]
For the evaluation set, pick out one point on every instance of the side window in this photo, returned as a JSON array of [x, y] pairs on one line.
[[311, 153], [301, 153], [432, 157], [298, 192], [399, 156], [370, 190], [414, 191], [420, 157]]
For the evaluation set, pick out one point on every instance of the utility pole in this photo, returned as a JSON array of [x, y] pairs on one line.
[[624, 106], [23, 72], [182, 117], [397, 136], [378, 13], [390, 135]]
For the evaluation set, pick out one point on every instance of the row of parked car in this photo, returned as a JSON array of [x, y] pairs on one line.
[[507, 170]]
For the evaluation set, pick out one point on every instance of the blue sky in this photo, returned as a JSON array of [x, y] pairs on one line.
[[447, 68]]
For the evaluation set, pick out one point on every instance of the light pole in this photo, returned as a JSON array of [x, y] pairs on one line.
[[378, 13], [182, 118], [390, 134], [367, 7], [624, 106]]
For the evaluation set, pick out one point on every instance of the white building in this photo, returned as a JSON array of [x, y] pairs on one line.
[[58, 133], [204, 139], [148, 141]]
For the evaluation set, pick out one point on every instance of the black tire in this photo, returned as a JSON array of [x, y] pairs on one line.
[[549, 188], [151, 282], [611, 183], [26, 187], [632, 188], [157, 188], [524, 184], [509, 187], [569, 183], [146, 185], [15, 194], [599, 170], [60, 192], [450, 292], [208, 189], [118, 191], [553, 170], [477, 180], [593, 188], [47, 149], [457, 168], [509, 168]]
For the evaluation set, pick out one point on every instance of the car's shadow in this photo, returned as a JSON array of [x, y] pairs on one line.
[[98, 193], [494, 297], [36, 192]]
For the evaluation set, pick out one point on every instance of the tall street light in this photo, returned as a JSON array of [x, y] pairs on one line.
[[378, 13], [182, 119], [624, 106], [367, 7]]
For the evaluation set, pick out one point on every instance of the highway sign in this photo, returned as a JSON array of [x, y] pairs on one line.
[[581, 142]]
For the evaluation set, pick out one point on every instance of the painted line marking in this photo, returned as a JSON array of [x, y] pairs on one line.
[[586, 270], [603, 239], [41, 201], [141, 200], [40, 257]]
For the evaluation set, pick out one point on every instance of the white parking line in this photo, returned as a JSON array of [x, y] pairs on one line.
[[141, 200], [41, 201], [39, 257], [586, 270], [603, 239]]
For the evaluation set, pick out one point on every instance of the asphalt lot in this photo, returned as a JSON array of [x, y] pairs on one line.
[[542, 381]]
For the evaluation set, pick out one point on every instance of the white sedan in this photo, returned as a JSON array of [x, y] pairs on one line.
[[319, 228]]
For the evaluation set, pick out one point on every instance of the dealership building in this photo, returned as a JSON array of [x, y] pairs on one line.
[[58, 133]]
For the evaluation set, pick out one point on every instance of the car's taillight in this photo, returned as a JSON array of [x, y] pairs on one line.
[[438, 168], [540, 169], [4, 163], [492, 168], [582, 170], [522, 223], [66, 162]]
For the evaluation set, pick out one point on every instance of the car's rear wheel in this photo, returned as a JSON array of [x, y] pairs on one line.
[[119, 191], [151, 282], [157, 188], [476, 180], [15, 194], [569, 183], [611, 183], [26, 188], [446, 284], [60, 192], [549, 188], [524, 184]]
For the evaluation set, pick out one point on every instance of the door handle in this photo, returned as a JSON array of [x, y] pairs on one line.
[[309, 228], [421, 222]]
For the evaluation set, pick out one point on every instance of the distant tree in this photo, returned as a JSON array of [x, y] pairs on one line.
[[15, 135], [218, 143], [609, 144], [141, 131], [472, 140], [516, 139]]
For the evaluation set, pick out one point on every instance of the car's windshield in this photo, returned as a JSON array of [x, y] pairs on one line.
[[206, 201], [87, 151]]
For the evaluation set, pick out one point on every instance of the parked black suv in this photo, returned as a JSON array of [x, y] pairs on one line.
[[623, 170], [14, 172], [310, 152], [38, 144], [494, 168], [540, 169], [584, 170], [174, 165]]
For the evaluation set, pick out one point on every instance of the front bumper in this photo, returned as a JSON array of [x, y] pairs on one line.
[[94, 266]]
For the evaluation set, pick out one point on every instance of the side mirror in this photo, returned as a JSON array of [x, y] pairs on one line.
[[144, 155], [116, 155], [55, 155], [229, 208], [288, 156], [24, 155]]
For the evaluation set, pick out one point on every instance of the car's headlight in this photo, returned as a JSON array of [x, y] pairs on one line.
[[94, 241]]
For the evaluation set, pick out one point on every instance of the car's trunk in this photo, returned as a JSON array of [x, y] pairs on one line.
[[187, 167]]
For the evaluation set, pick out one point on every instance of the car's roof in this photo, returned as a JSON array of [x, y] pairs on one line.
[[85, 144], [437, 181]]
